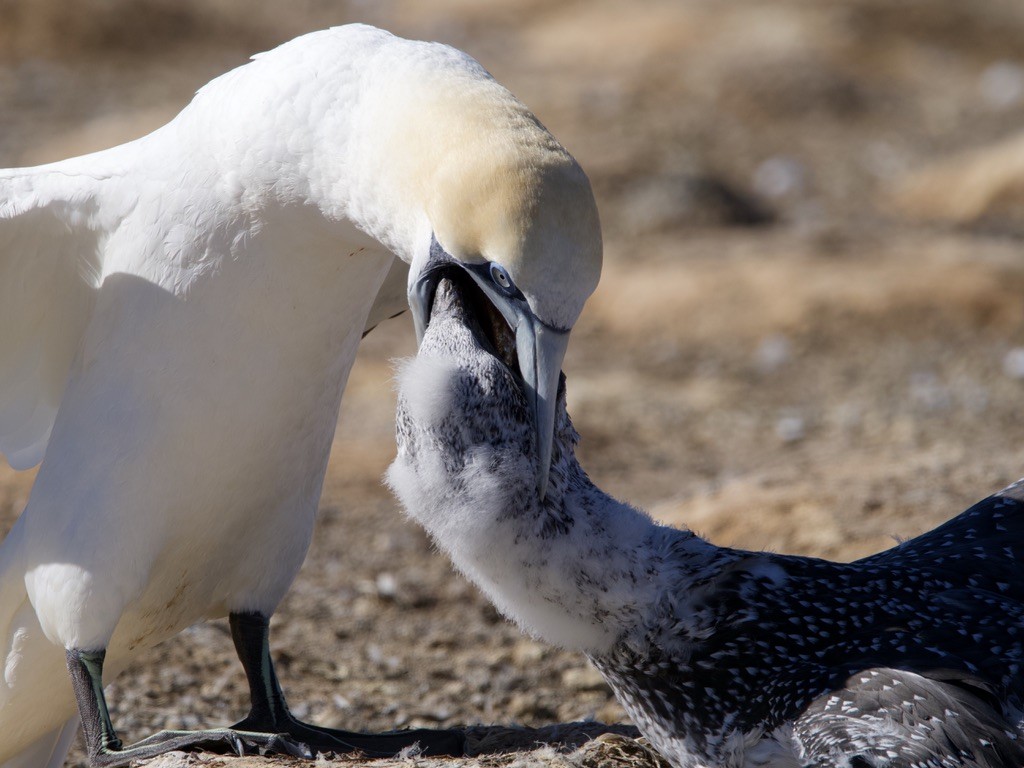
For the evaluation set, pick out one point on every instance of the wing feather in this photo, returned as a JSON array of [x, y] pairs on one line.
[[50, 236], [892, 717]]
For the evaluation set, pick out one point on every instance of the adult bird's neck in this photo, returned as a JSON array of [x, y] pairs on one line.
[[408, 141]]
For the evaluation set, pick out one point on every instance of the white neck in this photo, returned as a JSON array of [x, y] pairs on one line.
[[582, 571]]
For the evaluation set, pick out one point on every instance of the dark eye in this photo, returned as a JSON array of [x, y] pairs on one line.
[[500, 276]]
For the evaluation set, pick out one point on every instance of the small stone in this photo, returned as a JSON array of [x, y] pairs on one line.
[[528, 708], [772, 353], [387, 586], [375, 654], [791, 428], [1013, 363], [583, 679], [174, 759], [435, 714], [929, 392], [1002, 85], [339, 672], [780, 176], [528, 652]]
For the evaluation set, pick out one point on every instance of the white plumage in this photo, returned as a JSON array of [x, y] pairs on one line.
[[179, 315]]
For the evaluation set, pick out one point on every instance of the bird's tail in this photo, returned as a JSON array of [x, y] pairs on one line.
[[38, 717]]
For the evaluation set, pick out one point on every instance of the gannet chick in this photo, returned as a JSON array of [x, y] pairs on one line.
[[910, 657]]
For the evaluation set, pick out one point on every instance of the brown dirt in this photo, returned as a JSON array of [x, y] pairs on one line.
[[778, 355]]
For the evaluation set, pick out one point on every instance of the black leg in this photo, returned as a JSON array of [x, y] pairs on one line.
[[251, 633], [105, 749]]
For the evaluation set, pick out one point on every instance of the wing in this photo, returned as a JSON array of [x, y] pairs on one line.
[[51, 227], [391, 299], [981, 548], [942, 692], [890, 717]]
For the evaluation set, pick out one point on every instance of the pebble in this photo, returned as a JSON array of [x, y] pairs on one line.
[[780, 176], [791, 428], [171, 760], [387, 586], [583, 679], [773, 353], [1002, 85], [929, 392], [528, 652], [375, 654], [528, 707], [1013, 363]]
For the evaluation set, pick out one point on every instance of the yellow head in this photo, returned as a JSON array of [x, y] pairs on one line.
[[504, 201]]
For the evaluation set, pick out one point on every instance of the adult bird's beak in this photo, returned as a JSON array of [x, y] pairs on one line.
[[540, 348]]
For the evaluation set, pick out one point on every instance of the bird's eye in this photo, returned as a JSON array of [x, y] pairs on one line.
[[500, 276]]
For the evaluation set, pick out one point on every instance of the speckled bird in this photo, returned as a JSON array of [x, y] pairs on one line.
[[723, 657]]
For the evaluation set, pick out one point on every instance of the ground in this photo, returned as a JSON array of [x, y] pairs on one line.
[[809, 336]]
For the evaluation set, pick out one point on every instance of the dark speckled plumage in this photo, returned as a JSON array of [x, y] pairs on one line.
[[910, 657]]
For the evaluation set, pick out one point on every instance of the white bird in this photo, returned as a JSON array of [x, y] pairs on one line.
[[910, 658], [179, 316]]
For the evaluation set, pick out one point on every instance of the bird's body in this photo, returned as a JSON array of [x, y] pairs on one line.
[[180, 315], [247, 431], [199, 407], [723, 657]]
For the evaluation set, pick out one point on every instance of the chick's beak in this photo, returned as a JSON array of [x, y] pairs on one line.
[[540, 349]]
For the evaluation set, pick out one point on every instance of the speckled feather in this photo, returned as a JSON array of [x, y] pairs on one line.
[[723, 657]]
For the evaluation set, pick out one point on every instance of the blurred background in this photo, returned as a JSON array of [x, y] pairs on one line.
[[809, 335]]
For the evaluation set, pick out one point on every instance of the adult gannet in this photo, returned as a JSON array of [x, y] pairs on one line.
[[911, 657], [179, 315]]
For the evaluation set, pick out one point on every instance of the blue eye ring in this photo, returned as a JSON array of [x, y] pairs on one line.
[[501, 277]]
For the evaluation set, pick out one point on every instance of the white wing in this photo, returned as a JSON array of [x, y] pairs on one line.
[[50, 235]]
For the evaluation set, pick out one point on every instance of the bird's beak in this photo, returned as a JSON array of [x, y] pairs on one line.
[[540, 349]]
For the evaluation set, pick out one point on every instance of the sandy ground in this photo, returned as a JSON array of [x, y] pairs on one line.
[[804, 339]]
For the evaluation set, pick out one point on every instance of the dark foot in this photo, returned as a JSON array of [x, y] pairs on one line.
[[451, 743], [223, 741], [106, 749], [269, 714]]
